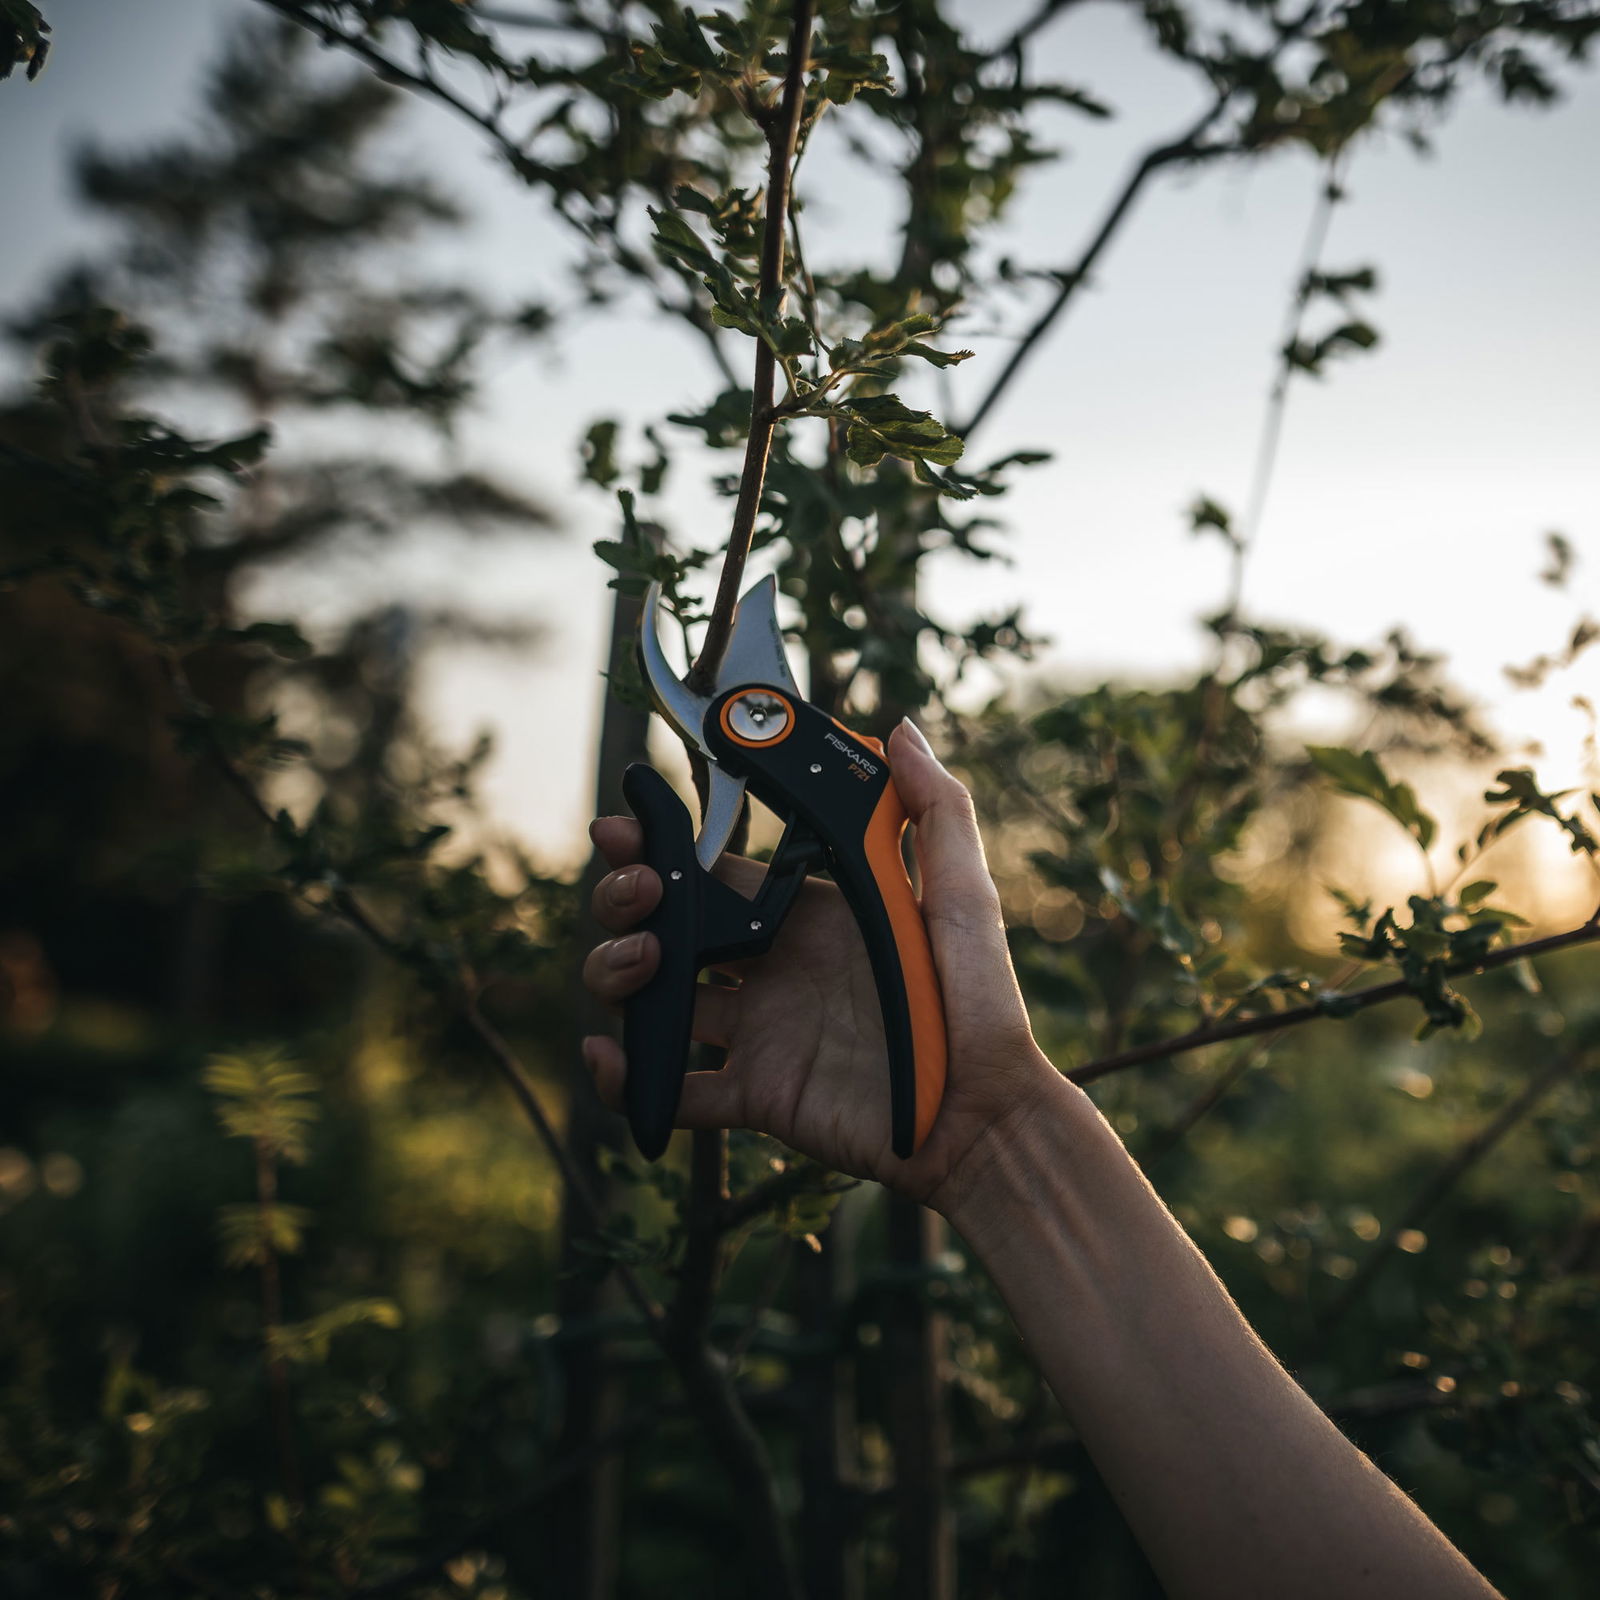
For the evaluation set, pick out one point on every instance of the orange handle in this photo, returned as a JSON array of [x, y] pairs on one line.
[[810, 767], [884, 851]]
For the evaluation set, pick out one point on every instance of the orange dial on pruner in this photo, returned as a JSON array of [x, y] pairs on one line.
[[835, 792]]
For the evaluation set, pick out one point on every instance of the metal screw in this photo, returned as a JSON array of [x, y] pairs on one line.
[[755, 927], [676, 876], [816, 766], [758, 716]]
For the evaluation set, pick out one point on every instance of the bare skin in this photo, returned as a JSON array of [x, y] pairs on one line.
[[1234, 1482]]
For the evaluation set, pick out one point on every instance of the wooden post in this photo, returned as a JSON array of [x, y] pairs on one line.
[[584, 1518], [914, 1348]]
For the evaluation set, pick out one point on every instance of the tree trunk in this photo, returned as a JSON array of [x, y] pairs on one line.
[[830, 1543], [583, 1528], [914, 1347]]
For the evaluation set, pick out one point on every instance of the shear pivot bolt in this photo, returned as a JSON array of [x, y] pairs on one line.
[[755, 927], [676, 876], [758, 716], [816, 766]]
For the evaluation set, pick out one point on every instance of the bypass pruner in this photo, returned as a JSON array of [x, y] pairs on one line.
[[836, 796]]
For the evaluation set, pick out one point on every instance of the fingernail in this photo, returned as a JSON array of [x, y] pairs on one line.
[[623, 887], [586, 1049], [624, 952], [918, 737]]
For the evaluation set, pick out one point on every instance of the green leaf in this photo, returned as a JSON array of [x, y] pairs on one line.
[[792, 337], [883, 424], [263, 1096], [1359, 773], [863, 446], [309, 1342], [1206, 515], [251, 1234], [677, 241], [937, 358], [600, 453]]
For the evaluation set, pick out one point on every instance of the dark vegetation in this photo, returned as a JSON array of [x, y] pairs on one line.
[[322, 1271]]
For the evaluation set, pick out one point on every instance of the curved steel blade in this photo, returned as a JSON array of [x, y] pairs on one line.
[[724, 807], [684, 712], [755, 652]]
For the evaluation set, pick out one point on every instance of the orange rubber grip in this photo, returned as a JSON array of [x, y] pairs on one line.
[[883, 845]]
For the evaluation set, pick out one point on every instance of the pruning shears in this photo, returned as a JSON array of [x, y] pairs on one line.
[[834, 792]]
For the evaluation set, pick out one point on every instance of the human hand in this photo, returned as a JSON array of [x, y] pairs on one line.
[[803, 1031]]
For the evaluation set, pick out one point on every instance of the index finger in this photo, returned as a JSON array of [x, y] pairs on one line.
[[619, 839]]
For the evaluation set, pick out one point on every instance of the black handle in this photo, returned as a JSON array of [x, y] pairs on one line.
[[656, 1021], [837, 784]]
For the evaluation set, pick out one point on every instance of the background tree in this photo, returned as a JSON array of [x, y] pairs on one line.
[[753, 1353]]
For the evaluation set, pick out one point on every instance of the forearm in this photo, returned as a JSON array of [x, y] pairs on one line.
[[1234, 1482]]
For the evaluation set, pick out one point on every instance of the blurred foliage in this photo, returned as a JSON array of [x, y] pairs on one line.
[[277, 1308]]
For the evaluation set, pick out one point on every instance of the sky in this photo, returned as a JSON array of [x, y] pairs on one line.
[[1414, 486]]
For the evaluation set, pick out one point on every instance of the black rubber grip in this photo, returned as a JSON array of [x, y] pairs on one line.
[[658, 1020]]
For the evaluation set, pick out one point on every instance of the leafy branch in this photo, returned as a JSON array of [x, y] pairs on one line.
[[783, 133], [1445, 938]]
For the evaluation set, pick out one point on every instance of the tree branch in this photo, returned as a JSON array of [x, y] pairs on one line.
[[1022, 35], [350, 910], [1329, 1005], [783, 132], [520, 1083], [706, 1375], [702, 1250], [391, 71], [1328, 196], [1471, 1152], [388, 70], [707, 1378], [1186, 147], [776, 1191]]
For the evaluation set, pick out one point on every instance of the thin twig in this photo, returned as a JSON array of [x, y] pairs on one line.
[[281, 1399], [707, 1378], [520, 1083], [1331, 1005], [783, 132], [706, 1375], [1203, 1104], [392, 71], [1471, 1152], [703, 1236], [349, 908], [1217, 1091], [1328, 196], [1020, 36], [1186, 147], [777, 1191]]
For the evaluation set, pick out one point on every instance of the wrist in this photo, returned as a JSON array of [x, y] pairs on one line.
[[1002, 1173]]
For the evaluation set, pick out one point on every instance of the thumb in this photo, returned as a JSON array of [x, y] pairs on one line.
[[956, 885]]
